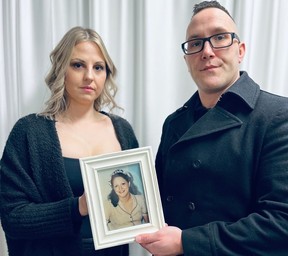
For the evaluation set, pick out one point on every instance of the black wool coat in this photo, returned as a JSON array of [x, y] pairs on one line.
[[224, 178]]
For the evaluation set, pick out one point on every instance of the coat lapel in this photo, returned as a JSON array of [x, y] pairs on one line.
[[215, 120], [244, 92]]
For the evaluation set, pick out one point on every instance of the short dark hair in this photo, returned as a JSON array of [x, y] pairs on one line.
[[209, 4]]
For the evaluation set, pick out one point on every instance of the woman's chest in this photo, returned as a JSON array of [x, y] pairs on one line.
[[83, 141]]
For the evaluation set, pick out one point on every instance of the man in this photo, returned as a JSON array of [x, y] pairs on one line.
[[222, 163]]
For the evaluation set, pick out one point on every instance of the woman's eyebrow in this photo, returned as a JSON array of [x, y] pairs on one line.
[[77, 59], [83, 61]]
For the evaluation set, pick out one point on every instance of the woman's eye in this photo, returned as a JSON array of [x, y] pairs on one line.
[[77, 65], [99, 67]]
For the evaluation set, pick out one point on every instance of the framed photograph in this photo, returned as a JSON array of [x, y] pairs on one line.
[[122, 196]]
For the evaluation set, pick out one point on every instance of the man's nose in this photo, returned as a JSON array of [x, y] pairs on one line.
[[208, 50]]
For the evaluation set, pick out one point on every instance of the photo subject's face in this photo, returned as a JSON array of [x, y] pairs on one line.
[[121, 186]]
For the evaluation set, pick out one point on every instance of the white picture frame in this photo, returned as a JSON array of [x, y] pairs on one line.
[[96, 173]]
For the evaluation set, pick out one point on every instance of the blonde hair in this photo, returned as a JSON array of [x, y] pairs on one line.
[[60, 58]]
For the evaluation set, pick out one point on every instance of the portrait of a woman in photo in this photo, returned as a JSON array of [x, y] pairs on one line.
[[125, 205]]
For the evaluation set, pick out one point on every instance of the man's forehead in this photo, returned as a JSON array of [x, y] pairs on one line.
[[211, 19], [214, 10]]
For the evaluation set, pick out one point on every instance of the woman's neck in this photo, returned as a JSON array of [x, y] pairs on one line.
[[126, 198], [75, 115]]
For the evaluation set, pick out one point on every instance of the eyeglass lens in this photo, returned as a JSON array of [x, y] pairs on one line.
[[216, 41]]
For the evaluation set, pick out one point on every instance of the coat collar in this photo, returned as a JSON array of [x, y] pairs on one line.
[[243, 92], [244, 89]]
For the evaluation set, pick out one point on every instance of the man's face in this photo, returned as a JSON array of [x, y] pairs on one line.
[[213, 70]]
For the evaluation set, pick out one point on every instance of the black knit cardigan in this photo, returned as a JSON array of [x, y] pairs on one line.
[[36, 198]]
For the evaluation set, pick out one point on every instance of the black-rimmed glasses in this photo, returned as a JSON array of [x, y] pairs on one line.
[[217, 41]]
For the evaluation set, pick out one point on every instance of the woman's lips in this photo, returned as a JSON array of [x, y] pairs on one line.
[[88, 88]]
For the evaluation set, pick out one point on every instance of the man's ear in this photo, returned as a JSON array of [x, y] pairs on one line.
[[242, 50]]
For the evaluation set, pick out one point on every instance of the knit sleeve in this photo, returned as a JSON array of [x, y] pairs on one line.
[[29, 209]]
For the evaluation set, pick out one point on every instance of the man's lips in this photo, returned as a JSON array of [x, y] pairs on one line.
[[209, 67]]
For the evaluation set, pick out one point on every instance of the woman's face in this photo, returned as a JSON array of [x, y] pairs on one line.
[[121, 187], [86, 74]]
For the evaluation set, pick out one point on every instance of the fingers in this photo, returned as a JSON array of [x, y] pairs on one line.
[[83, 205], [150, 237], [145, 239], [165, 242]]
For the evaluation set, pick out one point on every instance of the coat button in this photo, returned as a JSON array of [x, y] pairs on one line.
[[169, 198], [196, 164], [191, 206]]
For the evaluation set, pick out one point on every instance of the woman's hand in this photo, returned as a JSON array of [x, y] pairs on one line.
[[83, 209]]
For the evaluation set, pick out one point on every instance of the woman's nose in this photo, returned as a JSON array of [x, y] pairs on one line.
[[89, 74]]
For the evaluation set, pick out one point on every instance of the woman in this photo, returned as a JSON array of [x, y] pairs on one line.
[[126, 206], [43, 205]]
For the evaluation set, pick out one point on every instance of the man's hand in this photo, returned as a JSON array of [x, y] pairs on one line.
[[165, 242]]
